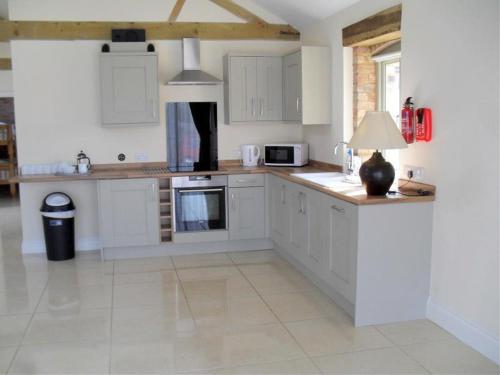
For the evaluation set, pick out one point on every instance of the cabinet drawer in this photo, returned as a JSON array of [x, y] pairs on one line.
[[246, 180]]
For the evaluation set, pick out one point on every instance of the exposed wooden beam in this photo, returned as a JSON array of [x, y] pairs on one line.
[[238, 11], [5, 64], [381, 27], [40, 30], [176, 10]]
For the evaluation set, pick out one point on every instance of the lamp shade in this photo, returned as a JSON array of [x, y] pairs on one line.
[[377, 131]]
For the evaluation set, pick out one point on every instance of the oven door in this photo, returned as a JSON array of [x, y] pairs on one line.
[[279, 155], [200, 209]]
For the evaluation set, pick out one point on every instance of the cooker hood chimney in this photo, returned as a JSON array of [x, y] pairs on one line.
[[191, 73]]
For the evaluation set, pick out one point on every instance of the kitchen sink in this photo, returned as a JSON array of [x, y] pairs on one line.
[[328, 179]]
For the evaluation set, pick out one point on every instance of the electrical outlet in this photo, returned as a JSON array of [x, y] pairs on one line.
[[141, 156], [416, 173]]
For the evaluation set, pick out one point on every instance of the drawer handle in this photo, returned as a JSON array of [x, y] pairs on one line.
[[243, 181], [339, 209], [233, 202]]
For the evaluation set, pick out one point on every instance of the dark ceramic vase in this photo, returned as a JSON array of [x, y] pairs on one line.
[[377, 175]]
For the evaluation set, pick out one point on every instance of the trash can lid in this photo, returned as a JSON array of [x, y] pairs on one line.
[[57, 202]]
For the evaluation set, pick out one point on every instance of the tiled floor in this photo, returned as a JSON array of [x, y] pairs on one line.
[[236, 313]]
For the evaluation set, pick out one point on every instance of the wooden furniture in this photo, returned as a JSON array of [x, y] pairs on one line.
[[129, 212], [253, 87], [129, 88], [247, 215], [373, 260], [306, 86], [8, 166]]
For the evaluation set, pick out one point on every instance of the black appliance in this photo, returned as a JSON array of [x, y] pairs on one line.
[[192, 136]]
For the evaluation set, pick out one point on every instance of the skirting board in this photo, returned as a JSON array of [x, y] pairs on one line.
[[82, 244], [470, 334]]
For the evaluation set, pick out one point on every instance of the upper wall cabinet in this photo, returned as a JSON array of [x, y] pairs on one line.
[[253, 88], [129, 88], [307, 82]]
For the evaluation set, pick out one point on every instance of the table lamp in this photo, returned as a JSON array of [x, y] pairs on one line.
[[377, 131]]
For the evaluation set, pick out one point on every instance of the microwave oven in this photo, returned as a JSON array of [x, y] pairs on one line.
[[286, 155]]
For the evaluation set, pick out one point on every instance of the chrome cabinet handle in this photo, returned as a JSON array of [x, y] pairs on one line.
[[153, 109], [297, 104], [339, 209], [243, 181], [303, 203], [261, 108], [233, 202], [200, 190], [253, 107]]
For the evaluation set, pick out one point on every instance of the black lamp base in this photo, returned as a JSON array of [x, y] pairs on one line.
[[377, 175]]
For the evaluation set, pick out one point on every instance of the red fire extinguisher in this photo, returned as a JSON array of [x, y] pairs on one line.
[[408, 121]]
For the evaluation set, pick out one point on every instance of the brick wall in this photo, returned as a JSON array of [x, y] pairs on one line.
[[7, 110], [365, 83]]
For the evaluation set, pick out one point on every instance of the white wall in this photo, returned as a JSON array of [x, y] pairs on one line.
[[451, 65]]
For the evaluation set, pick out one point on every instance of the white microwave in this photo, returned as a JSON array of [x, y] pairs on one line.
[[286, 155]]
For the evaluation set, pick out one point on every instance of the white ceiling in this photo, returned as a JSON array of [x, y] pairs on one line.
[[300, 13]]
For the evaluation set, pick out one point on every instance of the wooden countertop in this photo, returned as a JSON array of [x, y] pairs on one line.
[[354, 193]]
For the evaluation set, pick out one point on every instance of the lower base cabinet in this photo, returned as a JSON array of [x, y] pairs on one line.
[[247, 213], [361, 253], [129, 212]]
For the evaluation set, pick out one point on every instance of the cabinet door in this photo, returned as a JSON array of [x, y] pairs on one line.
[[299, 222], [246, 213], [129, 89], [270, 88], [342, 247], [129, 212], [243, 88], [318, 237], [292, 88], [280, 217]]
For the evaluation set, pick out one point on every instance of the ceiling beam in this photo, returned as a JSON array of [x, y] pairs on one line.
[[176, 10], [5, 64], [381, 27], [238, 11], [44, 30]]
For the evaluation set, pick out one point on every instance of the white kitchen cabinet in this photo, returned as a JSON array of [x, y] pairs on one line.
[[129, 212], [299, 225], [253, 88], [129, 89], [280, 212], [306, 83], [359, 255], [246, 213]]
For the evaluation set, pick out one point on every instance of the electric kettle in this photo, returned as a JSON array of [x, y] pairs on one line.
[[250, 155]]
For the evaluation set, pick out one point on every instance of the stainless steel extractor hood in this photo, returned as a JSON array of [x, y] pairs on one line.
[[192, 73]]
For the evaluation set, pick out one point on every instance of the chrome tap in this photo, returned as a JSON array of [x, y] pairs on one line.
[[350, 165]]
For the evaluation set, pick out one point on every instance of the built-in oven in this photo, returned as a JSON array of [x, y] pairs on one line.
[[200, 203]]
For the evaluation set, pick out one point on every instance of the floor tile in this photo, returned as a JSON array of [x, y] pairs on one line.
[[306, 305], [63, 300], [450, 357], [6, 356], [10, 280], [12, 328], [20, 300], [201, 273], [325, 336], [380, 361], [292, 367], [151, 323], [413, 332], [132, 295], [231, 312], [217, 289], [278, 266], [248, 257], [62, 358], [79, 277], [156, 277], [201, 260], [143, 265], [269, 283], [83, 325]]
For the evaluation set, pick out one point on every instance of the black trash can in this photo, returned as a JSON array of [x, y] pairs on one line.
[[58, 214]]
